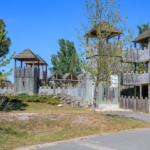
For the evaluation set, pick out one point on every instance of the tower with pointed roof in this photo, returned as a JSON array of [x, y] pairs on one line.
[[105, 94], [27, 75]]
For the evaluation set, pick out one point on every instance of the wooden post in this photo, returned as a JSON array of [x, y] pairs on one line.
[[134, 44], [148, 41], [15, 63], [106, 41], [46, 74], [38, 64], [118, 39], [42, 68], [87, 40], [134, 91], [135, 66], [149, 92], [21, 63], [140, 90], [71, 76]]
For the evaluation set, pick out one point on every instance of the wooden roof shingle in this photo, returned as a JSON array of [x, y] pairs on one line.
[[80, 76], [143, 38], [41, 62], [54, 74], [26, 55], [69, 75], [105, 28]]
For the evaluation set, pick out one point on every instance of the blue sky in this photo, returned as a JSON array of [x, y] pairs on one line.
[[38, 24]]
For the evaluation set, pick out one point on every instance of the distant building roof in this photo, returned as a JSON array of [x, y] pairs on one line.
[[70, 76], [26, 55], [143, 38], [80, 76], [108, 30], [41, 62], [56, 75]]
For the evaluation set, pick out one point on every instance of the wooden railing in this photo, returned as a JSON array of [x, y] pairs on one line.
[[92, 50], [27, 72], [135, 55], [134, 104], [135, 78]]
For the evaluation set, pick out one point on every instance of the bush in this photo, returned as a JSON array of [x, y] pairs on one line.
[[35, 98]]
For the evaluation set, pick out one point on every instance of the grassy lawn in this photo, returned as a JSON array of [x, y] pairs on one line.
[[51, 123]]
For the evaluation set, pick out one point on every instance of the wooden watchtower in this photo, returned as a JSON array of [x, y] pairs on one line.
[[137, 56], [27, 75], [106, 94], [43, 71]]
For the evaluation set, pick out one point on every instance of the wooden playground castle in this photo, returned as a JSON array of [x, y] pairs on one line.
[[28, 78]]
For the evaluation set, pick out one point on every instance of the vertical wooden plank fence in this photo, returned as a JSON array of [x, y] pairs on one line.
[[134, 104]]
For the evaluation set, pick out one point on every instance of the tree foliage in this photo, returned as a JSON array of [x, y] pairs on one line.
[[142, 29], [5, 41], [104, 60], [4, 47], [66, 60]]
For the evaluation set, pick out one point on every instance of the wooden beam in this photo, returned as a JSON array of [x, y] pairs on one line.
[[140, 90], [15, 63], [21, 63], [118, 39], [106, 41], [38, 64], [134, 44], [64, 80], [87, 40], [148, 41], [134, 91]]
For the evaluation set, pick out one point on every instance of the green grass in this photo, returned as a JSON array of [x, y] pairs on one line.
[[33, 107], [55, 124]]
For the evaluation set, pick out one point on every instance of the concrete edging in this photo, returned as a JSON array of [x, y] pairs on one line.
[[74, 140]]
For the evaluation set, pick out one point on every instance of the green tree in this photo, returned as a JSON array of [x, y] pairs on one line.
[[5, 41], [104, 60], [4, 47], [142, 29], [66, 60]]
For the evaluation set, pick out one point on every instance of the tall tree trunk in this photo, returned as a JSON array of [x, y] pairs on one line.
[[94, 97]]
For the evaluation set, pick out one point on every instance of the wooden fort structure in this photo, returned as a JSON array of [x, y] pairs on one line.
[[135, 56], [31, 73], [28, 78], [108, 93], [105, 93]]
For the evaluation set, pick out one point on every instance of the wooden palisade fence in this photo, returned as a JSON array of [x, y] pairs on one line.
[[134, 104]]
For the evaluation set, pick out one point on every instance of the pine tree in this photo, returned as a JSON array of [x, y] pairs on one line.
[[66, 60]]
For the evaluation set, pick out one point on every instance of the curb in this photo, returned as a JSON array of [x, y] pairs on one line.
[[74, 139]]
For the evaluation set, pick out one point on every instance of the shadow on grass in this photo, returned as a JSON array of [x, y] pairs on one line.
[[16, 105]]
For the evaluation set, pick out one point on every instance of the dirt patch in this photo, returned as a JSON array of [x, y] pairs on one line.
[[19, 116], [73, 119]]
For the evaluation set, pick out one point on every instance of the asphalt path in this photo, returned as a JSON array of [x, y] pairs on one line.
[[138, 139], [131, 140], [140, 116]]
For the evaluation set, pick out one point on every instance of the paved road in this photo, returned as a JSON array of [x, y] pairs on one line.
[[133, 140], [130, 140], [140, 116]]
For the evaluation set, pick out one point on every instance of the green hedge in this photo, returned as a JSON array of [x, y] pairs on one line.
[[35, 98]]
